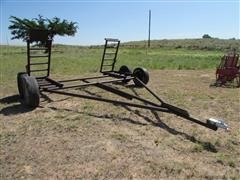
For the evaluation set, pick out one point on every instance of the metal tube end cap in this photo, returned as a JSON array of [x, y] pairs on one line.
[[218, 123]]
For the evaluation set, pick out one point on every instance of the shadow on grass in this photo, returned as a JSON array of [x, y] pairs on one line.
[[129, 85], [157, 122], [18, 109], [229, 84], [10, 99], [205, 145], [104, 116], [13, 109], [46, 98]]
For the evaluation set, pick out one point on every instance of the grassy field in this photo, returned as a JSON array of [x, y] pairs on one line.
[[72, 138], [193, 54], [191, 44], [74, 60]]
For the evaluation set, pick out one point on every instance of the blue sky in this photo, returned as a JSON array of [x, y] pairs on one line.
[[128, 20]]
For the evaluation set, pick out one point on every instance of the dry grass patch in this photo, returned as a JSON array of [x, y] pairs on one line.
[[72, 138]]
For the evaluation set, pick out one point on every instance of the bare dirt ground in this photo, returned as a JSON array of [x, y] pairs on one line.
[[72, 138]]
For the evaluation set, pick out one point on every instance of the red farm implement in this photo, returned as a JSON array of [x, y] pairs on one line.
[[228, 70], [31, 84]]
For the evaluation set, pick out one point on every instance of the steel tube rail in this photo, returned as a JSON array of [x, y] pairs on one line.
[[80, 79], [155, 108], [128, 95], [122, 93], [109, 100], [149, 90], [178, 111], [86, 84]]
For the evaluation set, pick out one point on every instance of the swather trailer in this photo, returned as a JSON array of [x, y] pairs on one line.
[[228, 69], [31, 84]]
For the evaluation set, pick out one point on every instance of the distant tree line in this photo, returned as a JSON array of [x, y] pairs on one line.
[[206, 36]]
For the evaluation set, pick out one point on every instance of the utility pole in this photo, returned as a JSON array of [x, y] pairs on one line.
[[149, 28]]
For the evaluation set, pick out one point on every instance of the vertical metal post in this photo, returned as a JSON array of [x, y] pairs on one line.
[[115, 56], [49, 48], [104, 51], [149, 29], [28, 57]]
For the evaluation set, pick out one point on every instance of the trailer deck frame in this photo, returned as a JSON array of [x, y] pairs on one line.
[[30, 86]]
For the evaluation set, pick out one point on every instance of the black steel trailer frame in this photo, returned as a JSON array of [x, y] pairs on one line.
[[30, 85]]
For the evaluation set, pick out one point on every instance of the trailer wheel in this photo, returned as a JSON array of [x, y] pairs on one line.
[[125, 71], [238, 81], [20, 84], [31, 94], [142, 75]]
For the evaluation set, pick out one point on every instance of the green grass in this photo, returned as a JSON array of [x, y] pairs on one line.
[[161, 58], [76, 60], [164, 54], [192, 44]]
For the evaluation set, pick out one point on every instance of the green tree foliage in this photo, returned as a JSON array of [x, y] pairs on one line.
[[206, 36], [21, 27]]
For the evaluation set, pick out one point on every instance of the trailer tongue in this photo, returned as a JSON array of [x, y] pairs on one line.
[[30, 85]]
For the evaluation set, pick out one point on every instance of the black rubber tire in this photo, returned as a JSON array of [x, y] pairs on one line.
[[31, 93], [237, 79], [125, 71], [142, 74], [19, 83]]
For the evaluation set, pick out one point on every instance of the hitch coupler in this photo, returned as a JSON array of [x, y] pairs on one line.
[[218, 123]]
